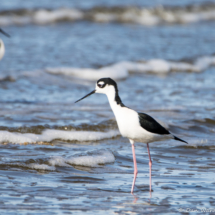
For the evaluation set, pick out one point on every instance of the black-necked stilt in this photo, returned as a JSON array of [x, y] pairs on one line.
[[137, 127], [2, 48]]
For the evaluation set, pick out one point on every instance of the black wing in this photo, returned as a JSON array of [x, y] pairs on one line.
[[151, 125]]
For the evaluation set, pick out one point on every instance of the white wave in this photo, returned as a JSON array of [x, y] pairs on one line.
[[143, 16], [104, 17], [35, 166], [41, 17], [115, 71], [156, 16], [14, 20], [6, 136], [182, 66], [46, 17], [204, 62], [90, 159], [164, 66], [121, 70], [196, 17], [161, 15], [49, 135], [41, 167], [58, 161]]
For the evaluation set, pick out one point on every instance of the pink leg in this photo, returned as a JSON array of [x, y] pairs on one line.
[[150, 168], [135, 168]]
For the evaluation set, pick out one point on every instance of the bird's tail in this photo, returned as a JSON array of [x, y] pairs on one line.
[[176, 138]]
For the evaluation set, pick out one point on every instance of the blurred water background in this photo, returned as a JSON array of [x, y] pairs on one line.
[[58, 157]]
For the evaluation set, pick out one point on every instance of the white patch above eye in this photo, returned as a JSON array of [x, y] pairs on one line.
[[101, 82]]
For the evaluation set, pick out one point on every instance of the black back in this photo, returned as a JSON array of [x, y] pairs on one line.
[[109, 81], [151, 125]]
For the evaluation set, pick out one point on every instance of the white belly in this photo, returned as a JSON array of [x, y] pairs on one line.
[[129, 126]]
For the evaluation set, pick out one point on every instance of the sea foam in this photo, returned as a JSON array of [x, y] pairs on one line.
[[122, 69], [49, 135], [40, 167], [143, 16], [89, 159], [93, 158], [204, 62], [115, 71], [43, 17]]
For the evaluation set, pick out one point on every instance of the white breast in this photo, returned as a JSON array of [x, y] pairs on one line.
[[129, 126], [127, 121]]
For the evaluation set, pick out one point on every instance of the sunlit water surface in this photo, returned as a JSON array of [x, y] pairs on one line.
[[45, 172]]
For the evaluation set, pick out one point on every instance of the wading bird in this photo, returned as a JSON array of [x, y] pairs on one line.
[[137, 127], [2, 48]]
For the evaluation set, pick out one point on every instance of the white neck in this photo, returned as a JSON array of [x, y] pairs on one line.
[[111, 98]]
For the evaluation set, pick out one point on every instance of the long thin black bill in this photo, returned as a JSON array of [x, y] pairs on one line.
[[86, 96], [3, 32]]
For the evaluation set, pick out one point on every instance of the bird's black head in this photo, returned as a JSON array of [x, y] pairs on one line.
[[103, 82], [106, 86]]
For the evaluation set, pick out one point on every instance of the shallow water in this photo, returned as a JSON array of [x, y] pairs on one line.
[[58, 157]]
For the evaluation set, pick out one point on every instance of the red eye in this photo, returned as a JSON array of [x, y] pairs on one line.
[[100, 85]]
